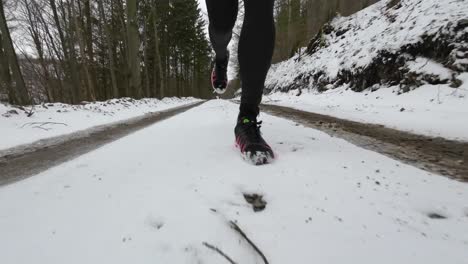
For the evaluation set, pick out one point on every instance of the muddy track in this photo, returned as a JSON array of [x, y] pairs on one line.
[[445, 157], [22, 162]]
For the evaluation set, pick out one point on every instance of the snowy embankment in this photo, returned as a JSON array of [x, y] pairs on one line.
[[399, 63], [28, 124], [435, 111], [157, 195]]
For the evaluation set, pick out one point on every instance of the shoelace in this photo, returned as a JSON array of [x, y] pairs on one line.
[[253, 130]]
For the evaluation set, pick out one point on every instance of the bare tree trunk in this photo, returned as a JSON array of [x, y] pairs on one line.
[[35, 35], [43, 36], [133, 37], [159, 70], [69, 62], [76, 92], [115, 89], [81, 43], [5, 75], [88, 39], [147, 90], [19, 93]]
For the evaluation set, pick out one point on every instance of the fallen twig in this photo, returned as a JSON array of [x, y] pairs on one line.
[[42, 124], [219, 251], [239, 230], [30, 112], [40, 127]]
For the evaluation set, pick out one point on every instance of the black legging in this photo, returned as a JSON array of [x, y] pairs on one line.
[[256, 44]]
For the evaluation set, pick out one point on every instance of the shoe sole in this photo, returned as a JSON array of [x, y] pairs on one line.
[[257, 159], [219, 91]]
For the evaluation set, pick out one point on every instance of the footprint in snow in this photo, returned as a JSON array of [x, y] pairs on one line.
[[126, 239], [295, 149], [256, 200], [434, 215], [155, 222], [194, 254]]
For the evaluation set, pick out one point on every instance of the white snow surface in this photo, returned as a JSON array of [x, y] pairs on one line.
[[147, 198], [50, 120], [370, 31], [431, 110], [429, 67]]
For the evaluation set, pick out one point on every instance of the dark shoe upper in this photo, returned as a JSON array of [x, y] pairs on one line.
[[219, 78], [249, 138]]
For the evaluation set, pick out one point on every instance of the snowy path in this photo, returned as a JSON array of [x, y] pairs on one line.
[[146, 198], [57, 119], [28, 160]]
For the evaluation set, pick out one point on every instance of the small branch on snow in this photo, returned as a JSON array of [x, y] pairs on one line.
[[40, 124], [239, 230], [30, 112], [425, 64], [46, 129], [219, 251]]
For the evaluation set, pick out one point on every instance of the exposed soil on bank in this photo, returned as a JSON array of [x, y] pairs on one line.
[[445, 157]]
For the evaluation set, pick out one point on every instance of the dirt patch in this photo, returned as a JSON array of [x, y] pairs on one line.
[[437, 155], [25, 161]]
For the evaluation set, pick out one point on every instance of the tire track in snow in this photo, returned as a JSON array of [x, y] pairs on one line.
[[26, 161]]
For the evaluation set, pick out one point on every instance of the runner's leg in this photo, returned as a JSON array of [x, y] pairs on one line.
[[256, 47]]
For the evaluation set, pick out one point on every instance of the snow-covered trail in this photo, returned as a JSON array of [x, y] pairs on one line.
[[147, 198]]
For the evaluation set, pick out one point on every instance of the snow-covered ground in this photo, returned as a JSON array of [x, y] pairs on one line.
[[150, 198], [49, 120], [432, 110]]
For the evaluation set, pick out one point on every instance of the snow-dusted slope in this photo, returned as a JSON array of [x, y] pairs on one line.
[[398, 63], [26, 125], [378, 41], [158, 194]]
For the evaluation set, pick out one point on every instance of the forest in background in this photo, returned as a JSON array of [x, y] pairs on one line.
[[298, 21], [87, 50]]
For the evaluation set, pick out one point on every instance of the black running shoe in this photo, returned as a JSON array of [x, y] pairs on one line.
[[219, 79], [249, 140]]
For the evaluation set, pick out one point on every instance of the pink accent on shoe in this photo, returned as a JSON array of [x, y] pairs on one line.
[[240, 145], [213, 77]]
